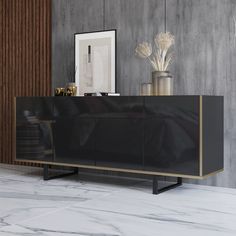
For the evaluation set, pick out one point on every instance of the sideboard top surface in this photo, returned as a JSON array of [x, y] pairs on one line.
[[119, 96]]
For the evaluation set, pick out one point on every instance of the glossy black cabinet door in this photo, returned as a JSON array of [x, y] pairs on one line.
[[74, 140], [172, 135], [119, 132], [34, 129], [74, 131], [99, 129], [119, 143], [152, 134]]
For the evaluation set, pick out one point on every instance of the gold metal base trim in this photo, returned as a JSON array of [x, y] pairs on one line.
[[122, 170], [212, 173]]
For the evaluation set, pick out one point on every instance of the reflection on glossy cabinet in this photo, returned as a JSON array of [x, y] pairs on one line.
[[165, 135]]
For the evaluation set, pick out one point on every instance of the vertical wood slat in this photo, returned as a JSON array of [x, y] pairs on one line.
[[4, 77], [25, 61], [1, 81], [33, 46], [1, 73], [37, 39], [48, 47], [9, 75]]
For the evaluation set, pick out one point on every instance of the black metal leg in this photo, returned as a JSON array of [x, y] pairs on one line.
[[155, 189], [47, 177], [45, 172], [76, 170], [179, 180], [155, 185]]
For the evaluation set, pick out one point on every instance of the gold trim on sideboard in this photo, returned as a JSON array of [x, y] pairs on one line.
[[212, 173], [121, 170]]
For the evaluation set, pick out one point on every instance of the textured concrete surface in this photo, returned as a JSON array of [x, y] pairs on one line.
[[68, 18], [135, 21], [205, 51], [205, 59]]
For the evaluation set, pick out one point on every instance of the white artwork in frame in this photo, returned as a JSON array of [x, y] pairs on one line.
[[95, 62]]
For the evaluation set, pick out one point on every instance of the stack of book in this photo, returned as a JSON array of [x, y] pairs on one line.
[[28, 142], [101, 94]]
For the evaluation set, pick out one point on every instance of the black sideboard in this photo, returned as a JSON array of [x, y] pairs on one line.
[[179, 136]]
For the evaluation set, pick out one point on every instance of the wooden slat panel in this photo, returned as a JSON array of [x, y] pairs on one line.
[[1, 75], [25, 60], [4, 137]]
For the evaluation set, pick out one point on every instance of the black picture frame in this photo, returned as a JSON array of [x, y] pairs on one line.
[[114, 59]]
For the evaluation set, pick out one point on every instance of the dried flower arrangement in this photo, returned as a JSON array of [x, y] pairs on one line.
[[161, 57]]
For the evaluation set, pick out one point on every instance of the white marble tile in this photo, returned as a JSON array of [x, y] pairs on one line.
[[12, 170], [92, 205], [23, 197]]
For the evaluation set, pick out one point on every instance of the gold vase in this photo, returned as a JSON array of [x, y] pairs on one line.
[[162, 83], [146, 89], [165, 85], [71, 89], [59, 92]]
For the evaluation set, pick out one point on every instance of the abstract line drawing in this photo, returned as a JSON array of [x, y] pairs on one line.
[[95, 59]]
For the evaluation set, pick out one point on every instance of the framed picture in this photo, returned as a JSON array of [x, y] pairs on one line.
[[95, 61]]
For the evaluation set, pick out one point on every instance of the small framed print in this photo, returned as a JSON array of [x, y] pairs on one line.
[[95, 62]]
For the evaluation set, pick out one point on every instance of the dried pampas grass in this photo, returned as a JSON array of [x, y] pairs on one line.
[[144, 50], [162, 57]]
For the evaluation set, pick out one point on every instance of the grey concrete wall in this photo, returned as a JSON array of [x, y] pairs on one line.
[[205, 51], [135, 22], [68, 18], [205, 63]]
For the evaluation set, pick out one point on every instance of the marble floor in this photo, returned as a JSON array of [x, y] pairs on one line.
[[112, 206]]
